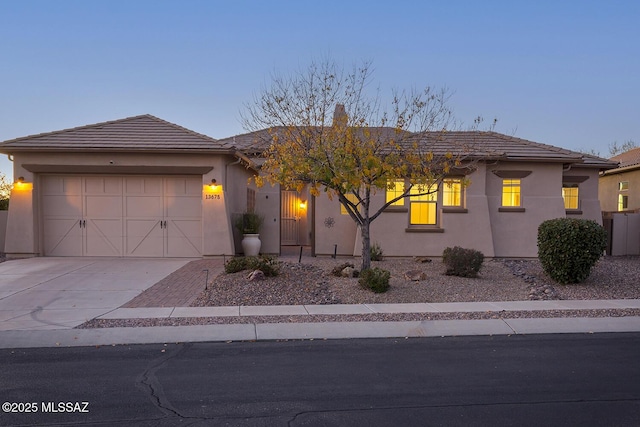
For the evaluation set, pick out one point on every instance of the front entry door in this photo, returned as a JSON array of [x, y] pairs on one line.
[[289, 218]]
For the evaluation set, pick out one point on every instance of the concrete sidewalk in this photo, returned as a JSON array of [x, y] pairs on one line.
[[336, 309], [331, 330]]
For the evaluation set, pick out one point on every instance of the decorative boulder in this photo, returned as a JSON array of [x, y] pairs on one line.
[[256, 275], [337, 270], [415, 275], [347, 272]]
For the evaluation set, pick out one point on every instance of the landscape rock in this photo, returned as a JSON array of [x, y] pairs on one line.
[[337, 270], [347, 272], [415, 275], [256, 275]]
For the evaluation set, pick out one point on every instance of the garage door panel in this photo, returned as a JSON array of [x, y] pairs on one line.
[[184, 207], [62, 237], [103, 237], [183, 186], [103, 185], [184, 238], [184, 241], [62, 185], [143, 206], [182, 248], [144, 237], [103, 207], [151, 185], [62, 205]]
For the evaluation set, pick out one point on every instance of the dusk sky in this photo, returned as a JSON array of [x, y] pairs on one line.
[[565, 73]]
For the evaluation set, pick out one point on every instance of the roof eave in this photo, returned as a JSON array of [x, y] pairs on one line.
[[614, 171], [228, 151], [572, 160]]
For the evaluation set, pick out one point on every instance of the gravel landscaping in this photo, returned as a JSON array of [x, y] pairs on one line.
[[311, 282]]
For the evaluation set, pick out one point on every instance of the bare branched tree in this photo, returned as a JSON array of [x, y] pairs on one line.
[[327, 130], [615, 148]]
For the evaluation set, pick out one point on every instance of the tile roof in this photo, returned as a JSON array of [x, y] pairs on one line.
[[137, 133], [482, 144], [628, 158], [146, 132]]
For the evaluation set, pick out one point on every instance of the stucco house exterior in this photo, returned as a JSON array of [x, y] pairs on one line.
[[619, 187], [144, 187], [495, 206]]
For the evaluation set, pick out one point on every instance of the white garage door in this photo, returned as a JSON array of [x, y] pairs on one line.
[[145, 216]]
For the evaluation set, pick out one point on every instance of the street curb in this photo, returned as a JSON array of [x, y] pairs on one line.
[[328, 330]]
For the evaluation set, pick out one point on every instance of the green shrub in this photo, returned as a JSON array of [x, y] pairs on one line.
[[375, 279], [568, 248], [249, 223], [269, 265], [376, 252], [235, 264], [462, 262]]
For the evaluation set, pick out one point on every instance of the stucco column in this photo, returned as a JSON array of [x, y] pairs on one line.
[[20, 237], [216, 222]]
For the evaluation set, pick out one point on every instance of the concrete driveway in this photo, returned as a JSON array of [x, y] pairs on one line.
[[61, 293]]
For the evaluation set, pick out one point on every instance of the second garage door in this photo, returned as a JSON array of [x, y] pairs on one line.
[[145, 216]]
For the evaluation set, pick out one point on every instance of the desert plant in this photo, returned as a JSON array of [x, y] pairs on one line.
[[375, 279], [249, 223], [235, 264], [269, 265], [376, 252], [462, 262], [568, 248]]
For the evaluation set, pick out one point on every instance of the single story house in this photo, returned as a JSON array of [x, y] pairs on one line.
[[144, 187], [619, 187]]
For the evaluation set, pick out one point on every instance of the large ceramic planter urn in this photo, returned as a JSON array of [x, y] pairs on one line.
[[251, 244]]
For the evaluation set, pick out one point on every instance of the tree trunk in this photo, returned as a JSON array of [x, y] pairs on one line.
[[366, 246]]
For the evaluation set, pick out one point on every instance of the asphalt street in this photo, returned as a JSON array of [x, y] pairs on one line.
[[533, 380]]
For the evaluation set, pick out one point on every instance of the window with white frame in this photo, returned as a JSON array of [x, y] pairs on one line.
[[570, 194], [511, 192], [623, 196], [395, 189], [452, 192], [423, 205]]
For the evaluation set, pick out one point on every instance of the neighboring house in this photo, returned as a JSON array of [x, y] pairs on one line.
[[139, 187], [620, 187], [145, 187]]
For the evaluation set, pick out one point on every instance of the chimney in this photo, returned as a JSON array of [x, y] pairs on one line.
[[340, 115]]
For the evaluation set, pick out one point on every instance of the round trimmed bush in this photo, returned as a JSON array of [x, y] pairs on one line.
[[375, 279], [462, 262], [568, 248]]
